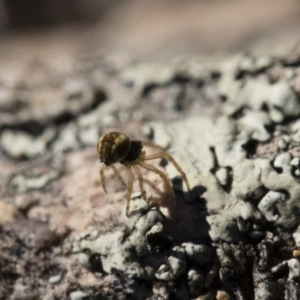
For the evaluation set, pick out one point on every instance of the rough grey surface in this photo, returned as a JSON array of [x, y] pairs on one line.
[[232, 125], [221, 228]]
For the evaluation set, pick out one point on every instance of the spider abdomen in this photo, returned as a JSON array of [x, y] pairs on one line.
[[113, 147]]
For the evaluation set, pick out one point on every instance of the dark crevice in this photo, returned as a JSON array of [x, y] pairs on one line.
[[215, 75], [256, 195], [292, 61], [269, 128], [35, 128], [223, 98], [148, 89], [228, 186], [250, 148], [24, 211], [216, 163], [182, 79], [99, 97], [288, 120], [242, 73], [279, 170], [179, 80], [265, 107], [63, 118], [238, 114], [96, 263]]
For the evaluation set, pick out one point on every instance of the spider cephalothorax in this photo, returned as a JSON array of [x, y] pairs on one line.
[[116, 147]]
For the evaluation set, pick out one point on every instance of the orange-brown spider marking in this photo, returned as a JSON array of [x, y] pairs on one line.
[[116, 147]]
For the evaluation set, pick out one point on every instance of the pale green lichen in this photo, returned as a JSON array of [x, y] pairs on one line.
[[234, 196]]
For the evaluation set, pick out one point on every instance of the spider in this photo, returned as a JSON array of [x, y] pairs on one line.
[[116, 147]]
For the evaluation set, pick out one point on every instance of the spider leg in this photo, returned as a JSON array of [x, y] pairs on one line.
[[141, 181], [163, 177], [129, 187], [117, 173], [154, 201], [152, 145], [173, 161], [153, 186], [102, 175]]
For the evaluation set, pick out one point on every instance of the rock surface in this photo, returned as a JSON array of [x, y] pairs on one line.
[[234, 235]]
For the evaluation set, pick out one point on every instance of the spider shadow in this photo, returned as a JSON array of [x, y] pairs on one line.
[[162, 199], [185, 220], [189, 222]]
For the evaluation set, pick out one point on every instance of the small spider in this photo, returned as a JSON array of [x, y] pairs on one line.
[[116, 147]]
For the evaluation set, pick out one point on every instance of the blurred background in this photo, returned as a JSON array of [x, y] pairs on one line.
[[144, 29], [68, 74]]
